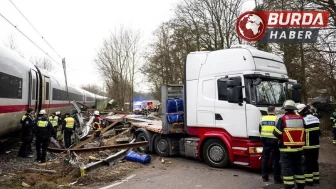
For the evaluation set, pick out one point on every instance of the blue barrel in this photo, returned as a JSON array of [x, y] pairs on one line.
[[174, 105], [175, 118], [133, 156]]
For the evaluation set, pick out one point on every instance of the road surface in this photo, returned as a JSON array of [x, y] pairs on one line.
[[182, 173]]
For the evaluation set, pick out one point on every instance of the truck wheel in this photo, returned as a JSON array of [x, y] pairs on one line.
[[161, 146], [215, 153], [142, 137]]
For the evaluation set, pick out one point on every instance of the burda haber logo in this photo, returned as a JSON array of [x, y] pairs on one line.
[[281, 26]]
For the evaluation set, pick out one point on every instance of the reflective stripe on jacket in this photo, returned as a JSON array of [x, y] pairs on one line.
[[70, 122], [268, 124], [312, 129], [53, 120]]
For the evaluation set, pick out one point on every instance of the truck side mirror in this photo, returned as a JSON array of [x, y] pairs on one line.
[[296, 93], [232, 94], [231, 83]]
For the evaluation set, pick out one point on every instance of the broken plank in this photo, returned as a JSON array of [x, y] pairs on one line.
[[40, 170], [113, 147], [82, 143]]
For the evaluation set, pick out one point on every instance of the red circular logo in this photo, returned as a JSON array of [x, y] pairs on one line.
[[251, 26]]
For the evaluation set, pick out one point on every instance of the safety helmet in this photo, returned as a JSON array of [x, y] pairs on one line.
[[300, 107], [289, 105], [96, 112], [42, 112], [334, 114]]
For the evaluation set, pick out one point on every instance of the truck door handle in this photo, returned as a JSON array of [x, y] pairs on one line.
[[218, 117]]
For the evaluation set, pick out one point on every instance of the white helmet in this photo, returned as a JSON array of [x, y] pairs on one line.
[[96, 112], [289, 105], [42, 112], [300, 107]]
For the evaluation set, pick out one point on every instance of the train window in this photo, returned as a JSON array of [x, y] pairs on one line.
[[10, 86], [47, 91], [62, 95]]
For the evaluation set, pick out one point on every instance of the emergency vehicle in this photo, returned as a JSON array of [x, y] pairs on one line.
[[224, 96]]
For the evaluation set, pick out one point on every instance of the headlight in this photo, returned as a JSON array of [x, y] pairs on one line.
[[255, 150]]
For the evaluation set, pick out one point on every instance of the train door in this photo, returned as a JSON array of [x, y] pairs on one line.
[[33, 90], [46, 93]]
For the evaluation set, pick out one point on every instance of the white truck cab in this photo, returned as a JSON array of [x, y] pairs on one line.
[[229, 90]]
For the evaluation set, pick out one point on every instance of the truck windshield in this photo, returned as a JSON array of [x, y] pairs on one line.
[[268, 92]]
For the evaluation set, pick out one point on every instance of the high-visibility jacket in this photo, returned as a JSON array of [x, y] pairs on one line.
[[54, 121], [312, 130], [44, 128], [23, 118], [293, 132], [268, 124], [42, 123], [69, 122], [290, 131]]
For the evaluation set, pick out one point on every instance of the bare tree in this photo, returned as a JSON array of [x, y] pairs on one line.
[[43, 63], [91, 88], [117, 62], [12, 44]]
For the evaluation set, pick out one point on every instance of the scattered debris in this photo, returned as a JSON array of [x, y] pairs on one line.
[[41, 170], [25, 185]]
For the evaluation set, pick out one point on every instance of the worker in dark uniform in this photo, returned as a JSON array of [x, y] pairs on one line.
[[312, 146], [27, 122], [333, 122], [290, 132], [97, 123], [54, 121], [270, 145], [44, 130], [67, 129]]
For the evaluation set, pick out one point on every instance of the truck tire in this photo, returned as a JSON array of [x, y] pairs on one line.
[[161, 146], [142, 137], [215, 153]]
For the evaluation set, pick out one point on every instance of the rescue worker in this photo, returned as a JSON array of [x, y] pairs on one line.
[[54, 121], [314, 112], [97, 121], [44, 130], [270, 145], [290, 132], [67, 129], [312, 146], [27, 122], [333, 122]]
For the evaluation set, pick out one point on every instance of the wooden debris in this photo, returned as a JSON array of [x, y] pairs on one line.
[[114, 147], [82, 143], [41, 170]]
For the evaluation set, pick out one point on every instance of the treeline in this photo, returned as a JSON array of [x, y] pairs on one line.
[[210, 24]]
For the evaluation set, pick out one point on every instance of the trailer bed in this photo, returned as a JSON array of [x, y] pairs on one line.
[[138, 121]]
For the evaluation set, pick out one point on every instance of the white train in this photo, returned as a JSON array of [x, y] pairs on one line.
[[23, 85]]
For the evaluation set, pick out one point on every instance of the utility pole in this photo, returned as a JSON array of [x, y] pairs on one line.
[[65, 76]]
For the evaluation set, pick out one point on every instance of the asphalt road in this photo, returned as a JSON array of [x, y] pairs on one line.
[[183, 173], [187, 174]]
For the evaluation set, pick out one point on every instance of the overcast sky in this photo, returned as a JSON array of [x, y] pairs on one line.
[[77, 28]]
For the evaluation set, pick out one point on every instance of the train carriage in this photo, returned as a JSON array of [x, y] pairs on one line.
[[23, 85]]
